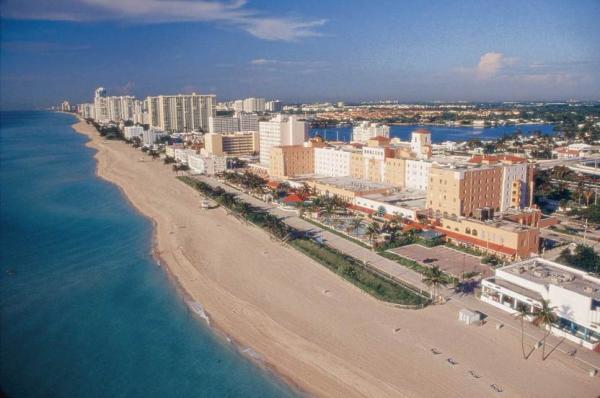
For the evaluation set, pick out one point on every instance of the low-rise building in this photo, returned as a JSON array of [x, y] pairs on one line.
[[206, 164], [133, 131], [503, 238], [573, 295], [405, 204], [347, 188]]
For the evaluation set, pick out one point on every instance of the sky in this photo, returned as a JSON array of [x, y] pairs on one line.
[[299, 51]]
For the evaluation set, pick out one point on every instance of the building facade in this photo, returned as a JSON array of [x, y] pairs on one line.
[[574, 296], [332, 162], [366, 130], [282, 130], [181, 113], [291, 161]]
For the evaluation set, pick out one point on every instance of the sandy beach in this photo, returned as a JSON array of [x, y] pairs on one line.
[[317, 331]]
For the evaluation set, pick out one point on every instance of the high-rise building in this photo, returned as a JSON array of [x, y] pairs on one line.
[[366, 130], [252, 105], [273, 106], [223, 124], [182, 112], [115, 108], [248, 122], [238, 106], [86, 111], [279, 131], [100, 105]]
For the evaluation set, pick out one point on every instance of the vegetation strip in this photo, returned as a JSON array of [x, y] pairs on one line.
[[349, 268]]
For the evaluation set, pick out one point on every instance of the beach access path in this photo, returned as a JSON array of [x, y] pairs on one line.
[[384, 265]]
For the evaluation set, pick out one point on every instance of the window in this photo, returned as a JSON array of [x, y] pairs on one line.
[[467, 230], [474, 232]]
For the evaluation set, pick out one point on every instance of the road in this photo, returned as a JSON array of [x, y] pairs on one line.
[[353, 249]]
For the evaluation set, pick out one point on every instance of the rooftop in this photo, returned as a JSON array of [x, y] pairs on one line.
[[352, 184], [547, 272]]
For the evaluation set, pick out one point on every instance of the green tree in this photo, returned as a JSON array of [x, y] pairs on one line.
[[434, 278], [544, 317]]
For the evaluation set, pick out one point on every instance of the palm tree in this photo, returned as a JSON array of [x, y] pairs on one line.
[[371, 232], [305, 191], [434, 277], [587, 195], [522, 312], [544, 317], [354, 225]]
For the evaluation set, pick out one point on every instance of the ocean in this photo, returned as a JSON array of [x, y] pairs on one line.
[[85, 310], [440, 133]]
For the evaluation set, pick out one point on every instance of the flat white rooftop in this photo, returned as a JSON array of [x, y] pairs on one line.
[[546, 272]]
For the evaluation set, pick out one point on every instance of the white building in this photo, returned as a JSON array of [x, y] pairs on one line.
[[151, 136], [273, 106], [406, 204], [514, 179], [206, 164], [573, 294], [181, 113], [248, 122], [332, 162], [223, 124], [86, 111], [133, 131], [252, 105], [419, 143], [281, 130], [417, 174], [366, 130], [238, 106]]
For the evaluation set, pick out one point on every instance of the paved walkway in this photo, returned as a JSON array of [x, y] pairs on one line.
[[344, 245]]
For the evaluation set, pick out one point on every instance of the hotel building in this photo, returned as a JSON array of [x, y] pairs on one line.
[[280, 131], [574, 296], [244, 143], [291, 161], [504, 238], [332, 162]]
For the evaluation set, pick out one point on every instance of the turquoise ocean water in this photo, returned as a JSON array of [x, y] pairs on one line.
[[84, 309]]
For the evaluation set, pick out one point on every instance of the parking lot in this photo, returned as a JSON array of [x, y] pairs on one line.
[[449, 260]]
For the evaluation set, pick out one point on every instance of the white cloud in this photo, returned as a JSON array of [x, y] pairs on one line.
[[232, 13], [491, 64]]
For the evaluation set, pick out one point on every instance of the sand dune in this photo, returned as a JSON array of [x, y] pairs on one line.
[[311, 327]]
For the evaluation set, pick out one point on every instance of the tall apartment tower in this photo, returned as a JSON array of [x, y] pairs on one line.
[[280, 131], [181, 113], [101, 104]]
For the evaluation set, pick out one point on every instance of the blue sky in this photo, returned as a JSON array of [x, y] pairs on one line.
[[300, 50]]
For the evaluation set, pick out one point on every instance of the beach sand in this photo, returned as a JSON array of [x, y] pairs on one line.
[[308, 325]]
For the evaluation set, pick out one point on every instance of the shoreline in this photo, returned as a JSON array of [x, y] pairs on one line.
[[311, 330], [182, 294]]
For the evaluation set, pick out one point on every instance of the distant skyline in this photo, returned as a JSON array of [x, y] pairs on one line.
[[299, 51]]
